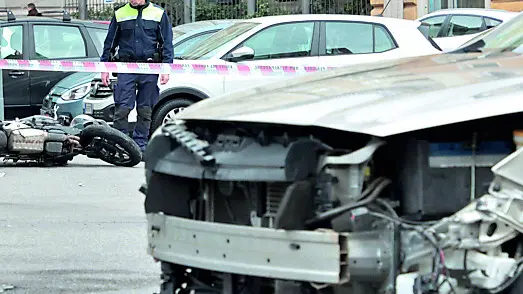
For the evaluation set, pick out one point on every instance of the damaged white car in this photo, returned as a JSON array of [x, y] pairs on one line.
[[404, 177]]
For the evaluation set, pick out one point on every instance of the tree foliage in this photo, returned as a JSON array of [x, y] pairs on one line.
[[208, 9]]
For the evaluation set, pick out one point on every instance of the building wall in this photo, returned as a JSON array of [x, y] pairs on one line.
[[412, 9], [512, 5], [409, 8]]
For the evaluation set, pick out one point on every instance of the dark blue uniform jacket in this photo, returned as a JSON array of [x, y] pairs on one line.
[[139, 32]]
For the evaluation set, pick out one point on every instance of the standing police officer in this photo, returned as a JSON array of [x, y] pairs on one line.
[[142, 32]]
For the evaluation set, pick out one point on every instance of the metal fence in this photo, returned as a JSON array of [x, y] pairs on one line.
[[181, 11]]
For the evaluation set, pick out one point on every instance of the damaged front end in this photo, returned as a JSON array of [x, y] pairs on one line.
[[251, 208]]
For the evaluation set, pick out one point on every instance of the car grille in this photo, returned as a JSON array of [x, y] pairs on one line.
[[275, 192], [99, 114], [48, 104], [99, 91]]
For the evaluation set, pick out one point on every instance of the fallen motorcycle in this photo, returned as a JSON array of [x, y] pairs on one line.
[[55, 141]]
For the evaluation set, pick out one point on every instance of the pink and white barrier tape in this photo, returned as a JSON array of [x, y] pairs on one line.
[[158, 68]]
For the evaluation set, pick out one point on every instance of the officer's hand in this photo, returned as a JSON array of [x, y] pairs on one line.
[[105, 78], [164, 78]]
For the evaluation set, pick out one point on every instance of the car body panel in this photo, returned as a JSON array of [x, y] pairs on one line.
[[414, 94], [15, 83], [71, 108], [451, 43]]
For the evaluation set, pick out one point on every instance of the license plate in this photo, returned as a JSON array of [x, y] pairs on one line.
[[88, 108]]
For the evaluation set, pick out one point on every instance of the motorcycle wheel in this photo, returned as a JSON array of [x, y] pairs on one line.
[[113, 146]]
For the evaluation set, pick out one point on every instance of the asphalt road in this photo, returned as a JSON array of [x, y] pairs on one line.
[[74, 229]]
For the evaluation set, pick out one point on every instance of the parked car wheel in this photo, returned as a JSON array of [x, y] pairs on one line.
[[167, 111]]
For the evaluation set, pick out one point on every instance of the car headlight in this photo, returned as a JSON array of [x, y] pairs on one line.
[[77, 92]]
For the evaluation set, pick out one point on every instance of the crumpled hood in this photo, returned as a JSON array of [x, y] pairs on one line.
[[380, 99]]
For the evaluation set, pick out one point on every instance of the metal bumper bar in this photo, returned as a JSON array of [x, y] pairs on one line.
[[314, 256]]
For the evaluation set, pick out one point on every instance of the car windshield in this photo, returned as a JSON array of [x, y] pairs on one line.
[[181, 47], [176, 33], [506, 37], [207, 48]]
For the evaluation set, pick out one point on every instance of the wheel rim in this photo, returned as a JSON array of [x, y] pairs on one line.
[[170, 115]]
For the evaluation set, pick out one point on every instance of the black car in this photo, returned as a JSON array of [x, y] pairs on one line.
[[43, 38]]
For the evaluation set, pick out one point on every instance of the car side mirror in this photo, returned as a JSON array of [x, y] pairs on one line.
[[242, 53]]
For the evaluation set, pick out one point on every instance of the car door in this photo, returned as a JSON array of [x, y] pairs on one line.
[[15, 82], [350, 42], [56, 41], [459, 29], [293, 44]]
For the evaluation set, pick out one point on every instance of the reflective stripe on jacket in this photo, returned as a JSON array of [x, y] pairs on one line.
[[138, 32]]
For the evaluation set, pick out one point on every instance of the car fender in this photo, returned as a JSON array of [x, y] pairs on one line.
[[199, 94]]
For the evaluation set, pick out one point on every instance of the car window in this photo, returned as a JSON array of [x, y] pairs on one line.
[[282, 41], [210, 46], [181, 46], [98, 37], [356, 38], [57, 41], [490, 22], [460, 25], [435, 23], [12, 42], [382, 40], [506, 37]]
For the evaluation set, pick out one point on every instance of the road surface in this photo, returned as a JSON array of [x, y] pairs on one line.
[[74, 229]]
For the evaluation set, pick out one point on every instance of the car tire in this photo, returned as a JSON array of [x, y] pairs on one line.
[[166, 109]]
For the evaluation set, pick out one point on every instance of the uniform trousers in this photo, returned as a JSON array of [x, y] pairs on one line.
[[135, 89]]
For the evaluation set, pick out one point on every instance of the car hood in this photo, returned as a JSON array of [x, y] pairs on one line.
[[380, 99], [72, 81]]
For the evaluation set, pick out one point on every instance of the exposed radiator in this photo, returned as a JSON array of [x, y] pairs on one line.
[[275, 193]]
